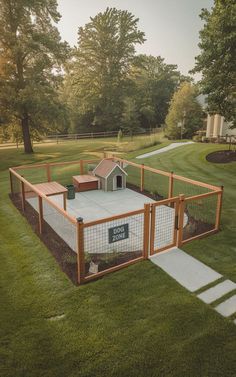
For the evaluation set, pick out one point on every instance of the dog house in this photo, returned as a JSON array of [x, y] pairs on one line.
[[111, 175]]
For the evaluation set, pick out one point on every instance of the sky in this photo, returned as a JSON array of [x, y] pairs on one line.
[[171, 26]]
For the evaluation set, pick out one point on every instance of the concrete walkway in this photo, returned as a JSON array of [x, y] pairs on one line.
[[195, 275], [185, 269], [165, 149]]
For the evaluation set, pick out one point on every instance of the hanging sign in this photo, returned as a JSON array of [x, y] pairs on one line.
[[118, 233]]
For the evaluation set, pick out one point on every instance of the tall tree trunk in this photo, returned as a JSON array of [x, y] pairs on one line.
[[26, 134]]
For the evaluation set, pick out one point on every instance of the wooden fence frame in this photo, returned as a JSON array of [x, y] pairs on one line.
[[146, 216], [165, 202], [147, 210]]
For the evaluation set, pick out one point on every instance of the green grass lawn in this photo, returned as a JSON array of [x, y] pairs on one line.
[[135, 322]]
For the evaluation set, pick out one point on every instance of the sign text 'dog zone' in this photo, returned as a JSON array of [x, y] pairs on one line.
[[118, 233]]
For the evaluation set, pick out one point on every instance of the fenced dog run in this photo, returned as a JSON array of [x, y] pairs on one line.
[[99, 232]]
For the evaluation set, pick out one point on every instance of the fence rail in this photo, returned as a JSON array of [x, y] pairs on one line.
[[173, 219], [79, 136]]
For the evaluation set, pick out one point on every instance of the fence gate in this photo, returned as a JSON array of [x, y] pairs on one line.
[[164, 224]]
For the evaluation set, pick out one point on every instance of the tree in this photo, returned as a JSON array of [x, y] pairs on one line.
[[130, 117], [154, 85], [31, 58], [148, 113], [106, 49], [185, 114], [216, 61]]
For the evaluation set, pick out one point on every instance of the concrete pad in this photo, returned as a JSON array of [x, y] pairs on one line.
[[219, 290], [165, 149], [94, 205], [186, 270], [227, 307]]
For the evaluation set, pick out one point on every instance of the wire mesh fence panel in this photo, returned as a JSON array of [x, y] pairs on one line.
[[60, 224], [15, 186], [163, 226], [113, 242], [23, 198], [201, 216], [133, 177], [63, 173], [188, 189], [34, 174], [29, 192], [31, 199], [156, 184]]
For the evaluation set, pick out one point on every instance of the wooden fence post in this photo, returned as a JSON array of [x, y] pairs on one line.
[[142, 178], [180, 220], [146, 230], [40, 203], [80, 250], [153, 227], [81, 163], [23, 196], [48, 169], [171, 181], [11, 182], [219, 208]]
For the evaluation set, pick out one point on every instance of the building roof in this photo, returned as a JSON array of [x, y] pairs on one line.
[[105, 167]]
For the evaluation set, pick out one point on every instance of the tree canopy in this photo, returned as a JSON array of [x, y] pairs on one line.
[[154, 83], [102, 84], [106, 49], [217, 59], [185, 114], [31, 57]]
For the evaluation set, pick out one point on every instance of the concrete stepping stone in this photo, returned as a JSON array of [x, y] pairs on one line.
[[219, 290], [227, 307], [186, 270]]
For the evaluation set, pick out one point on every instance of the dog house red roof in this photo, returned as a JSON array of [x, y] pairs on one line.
[[105, 167]]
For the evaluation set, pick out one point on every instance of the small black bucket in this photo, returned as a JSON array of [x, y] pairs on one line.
[[71, 192]]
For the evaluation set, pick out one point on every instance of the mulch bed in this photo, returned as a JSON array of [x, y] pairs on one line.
[[221, 157], [195, 227], [149, 194], [119, 258], [64, 255]]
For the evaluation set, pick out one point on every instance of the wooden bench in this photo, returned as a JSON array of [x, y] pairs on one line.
[[53, 188]]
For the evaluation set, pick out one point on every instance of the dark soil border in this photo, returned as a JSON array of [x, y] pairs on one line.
[[64, 255], [149, 194], [221, 157], [195, 227]]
